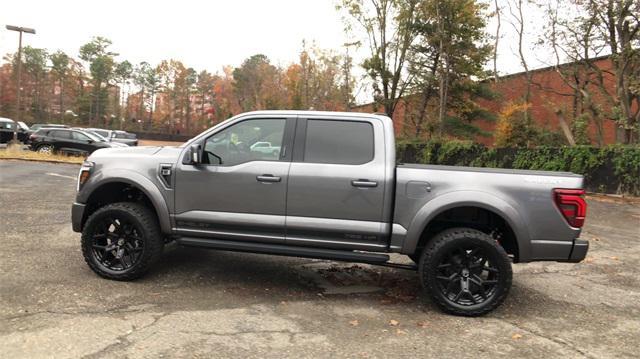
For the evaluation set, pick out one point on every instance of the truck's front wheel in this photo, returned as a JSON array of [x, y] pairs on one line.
[[121, 241], [465, 271]]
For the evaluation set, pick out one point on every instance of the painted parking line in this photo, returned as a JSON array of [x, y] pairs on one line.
[[59, 175]]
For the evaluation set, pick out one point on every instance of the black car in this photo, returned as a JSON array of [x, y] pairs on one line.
[[66, 140], [8, 127]]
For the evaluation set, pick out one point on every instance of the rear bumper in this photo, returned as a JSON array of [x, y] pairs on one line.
[[77, 213], [579, 250], [559, 251]]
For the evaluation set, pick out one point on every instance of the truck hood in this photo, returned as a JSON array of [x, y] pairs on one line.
[[138, 153]]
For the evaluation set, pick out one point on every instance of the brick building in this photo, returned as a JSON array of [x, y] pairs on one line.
[[551, 97]]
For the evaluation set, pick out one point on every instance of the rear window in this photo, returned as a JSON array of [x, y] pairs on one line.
[[129, 136], [339, 142]]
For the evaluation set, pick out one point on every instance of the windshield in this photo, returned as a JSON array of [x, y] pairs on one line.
[[100, 137], [93, 136]]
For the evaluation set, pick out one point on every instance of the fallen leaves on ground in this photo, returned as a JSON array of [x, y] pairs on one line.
[[516, 336], [354, 323], [422, 324], [394, 322]]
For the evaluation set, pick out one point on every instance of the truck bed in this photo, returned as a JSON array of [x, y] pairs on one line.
[[489, 170], [524, 197]]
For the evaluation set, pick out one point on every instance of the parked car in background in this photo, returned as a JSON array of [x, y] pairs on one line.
[[265, 147], [129, 139], [66, 140], [102, 138], [9, 126]]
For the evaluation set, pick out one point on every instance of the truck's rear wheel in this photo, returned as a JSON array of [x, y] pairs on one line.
[[121, 241], [465, 271]]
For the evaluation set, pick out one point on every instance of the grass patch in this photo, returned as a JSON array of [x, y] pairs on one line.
[[17, 153]]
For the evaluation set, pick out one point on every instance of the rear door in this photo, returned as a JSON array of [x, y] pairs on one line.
[[336, 184], [61, 140]]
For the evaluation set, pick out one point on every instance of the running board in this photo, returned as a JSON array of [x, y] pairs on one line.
[[284, 250]]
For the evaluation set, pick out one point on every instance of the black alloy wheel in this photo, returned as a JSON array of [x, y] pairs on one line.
[[467, 276], [117, 244]]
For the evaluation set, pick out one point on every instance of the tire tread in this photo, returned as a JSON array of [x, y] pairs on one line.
[[436, 244], [153, 241]]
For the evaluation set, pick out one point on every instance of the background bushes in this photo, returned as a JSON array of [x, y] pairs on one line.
[[611, 169]]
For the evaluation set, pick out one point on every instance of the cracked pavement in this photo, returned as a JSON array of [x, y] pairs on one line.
[[202, 303]]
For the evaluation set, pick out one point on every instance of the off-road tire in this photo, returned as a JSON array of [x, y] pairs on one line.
[[444, 242], [150, 233]]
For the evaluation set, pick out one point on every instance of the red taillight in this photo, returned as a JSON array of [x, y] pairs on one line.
[[572, 205]]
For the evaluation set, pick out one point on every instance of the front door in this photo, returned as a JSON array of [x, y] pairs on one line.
[[337, 185], [81, 143], [238, 192]]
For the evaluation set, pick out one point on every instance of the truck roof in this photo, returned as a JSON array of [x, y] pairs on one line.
[[317, 113]]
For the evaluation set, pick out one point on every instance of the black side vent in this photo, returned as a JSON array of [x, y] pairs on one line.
[[166, 174]]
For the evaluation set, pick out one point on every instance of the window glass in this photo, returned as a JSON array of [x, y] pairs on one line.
[[339, 142], [66, 135], [80, 136], [239, 143], [125, 135]]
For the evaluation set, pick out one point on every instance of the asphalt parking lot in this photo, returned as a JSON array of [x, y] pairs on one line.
[[200, 303]]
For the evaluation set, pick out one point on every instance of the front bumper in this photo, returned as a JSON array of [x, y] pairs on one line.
[[579, 250], [77, 213]]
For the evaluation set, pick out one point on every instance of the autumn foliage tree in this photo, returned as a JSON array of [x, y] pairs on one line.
[[513, 128]]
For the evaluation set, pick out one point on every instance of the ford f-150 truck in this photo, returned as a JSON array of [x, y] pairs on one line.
[[332, 191]]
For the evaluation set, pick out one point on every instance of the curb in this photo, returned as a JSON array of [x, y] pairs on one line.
[[38, 160]]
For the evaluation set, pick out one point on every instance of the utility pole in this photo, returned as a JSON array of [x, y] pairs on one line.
[[20, 30]]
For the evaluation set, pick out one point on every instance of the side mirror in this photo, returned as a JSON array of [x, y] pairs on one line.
[[196, 154], [89, 141]]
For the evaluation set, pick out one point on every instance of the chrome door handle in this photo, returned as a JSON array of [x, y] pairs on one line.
[[364, 183], [268, 178]]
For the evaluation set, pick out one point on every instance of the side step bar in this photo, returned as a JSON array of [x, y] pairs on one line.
[[284, 250]]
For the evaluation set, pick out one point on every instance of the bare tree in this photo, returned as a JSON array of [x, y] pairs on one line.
[[517, 21], [497, 41], [602, 27], [389, 25]]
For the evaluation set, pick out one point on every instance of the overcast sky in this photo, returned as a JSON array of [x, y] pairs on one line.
[[202, 34]]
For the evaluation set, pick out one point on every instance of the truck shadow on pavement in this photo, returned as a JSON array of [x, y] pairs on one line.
[[266, 278], [282, 275]]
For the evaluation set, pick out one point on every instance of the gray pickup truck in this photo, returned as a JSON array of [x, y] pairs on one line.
[[332, 191]]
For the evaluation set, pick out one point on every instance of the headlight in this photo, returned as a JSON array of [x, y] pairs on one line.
[[85, 172]]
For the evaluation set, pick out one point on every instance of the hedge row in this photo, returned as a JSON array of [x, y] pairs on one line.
[[611, 169]]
